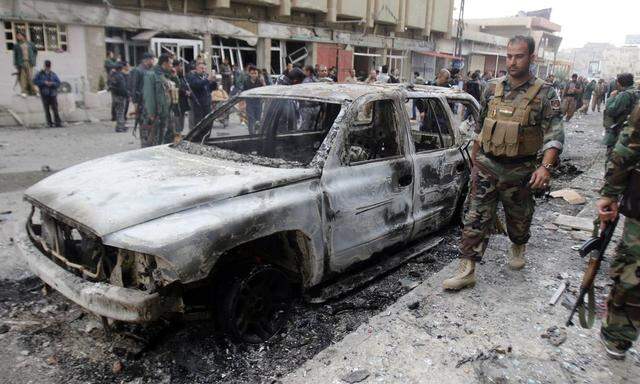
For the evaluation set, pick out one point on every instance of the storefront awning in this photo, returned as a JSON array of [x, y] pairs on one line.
[[439, 54]]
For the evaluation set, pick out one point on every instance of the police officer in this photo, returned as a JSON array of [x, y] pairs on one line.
[[118, 87], [136, 78], [520, 117], [617, 109], [157, 102], [622, 177]]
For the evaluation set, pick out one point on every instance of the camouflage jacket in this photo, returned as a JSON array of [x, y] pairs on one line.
[[155, 93], [620, 106], [549, 115], [624, 158]]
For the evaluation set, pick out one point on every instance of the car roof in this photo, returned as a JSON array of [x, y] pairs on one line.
[[340, 92]]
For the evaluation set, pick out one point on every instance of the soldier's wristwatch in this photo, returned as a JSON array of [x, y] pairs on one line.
[[548, 166]]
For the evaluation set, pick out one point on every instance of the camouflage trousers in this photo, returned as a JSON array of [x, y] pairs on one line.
[[492, 182], [623, 305], [153, 132]]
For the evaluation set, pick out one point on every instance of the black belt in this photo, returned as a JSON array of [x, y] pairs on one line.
[[510, 160]]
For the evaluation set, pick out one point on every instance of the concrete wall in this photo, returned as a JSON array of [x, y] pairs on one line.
[[476, 62], [416, 12], [442, 15], [310, 5], [71, 66], [387, 11], [351, 8]]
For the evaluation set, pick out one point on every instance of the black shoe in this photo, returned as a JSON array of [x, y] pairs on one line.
[[59, 125]]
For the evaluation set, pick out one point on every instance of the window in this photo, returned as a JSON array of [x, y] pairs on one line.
[[466, 118], [46, 37], [374, 134], [287, 130], [430, 127]]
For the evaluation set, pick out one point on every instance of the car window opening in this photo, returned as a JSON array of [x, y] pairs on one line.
[[266, 131]]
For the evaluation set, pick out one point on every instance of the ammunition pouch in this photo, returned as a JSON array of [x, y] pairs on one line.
[[511, 129], [630, 202]]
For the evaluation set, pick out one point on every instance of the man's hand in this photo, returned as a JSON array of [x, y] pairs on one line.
[[540, 178], [613, 93], [607, 210]]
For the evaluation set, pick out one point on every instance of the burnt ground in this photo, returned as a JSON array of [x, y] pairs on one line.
[[74, 347], [48, 339]]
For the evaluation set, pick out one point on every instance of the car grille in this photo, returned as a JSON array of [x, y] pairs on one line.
[[77, 250]]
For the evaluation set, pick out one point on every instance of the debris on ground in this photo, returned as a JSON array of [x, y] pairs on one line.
[[414, 305], [558, 292], [555, 335], [356, 376], [569, 195]]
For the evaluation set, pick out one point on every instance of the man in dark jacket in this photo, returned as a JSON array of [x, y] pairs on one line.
[[201, 86], [118, 87], [48, 82]]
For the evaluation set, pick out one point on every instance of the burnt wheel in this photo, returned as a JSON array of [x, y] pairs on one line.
[[255, 304]]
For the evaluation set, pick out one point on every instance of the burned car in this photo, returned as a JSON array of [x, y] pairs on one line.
[[277, 192]]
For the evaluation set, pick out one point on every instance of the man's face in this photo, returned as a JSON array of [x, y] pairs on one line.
[[200, 68], [147, 62], [167, 66], [289, 66], [254, 74], [518, 59], [372, 74], [20, 37], [323, 72]]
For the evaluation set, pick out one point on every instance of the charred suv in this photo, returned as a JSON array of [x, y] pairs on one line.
[[278, 191]]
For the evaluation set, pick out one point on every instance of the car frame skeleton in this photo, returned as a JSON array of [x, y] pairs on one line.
[[142, 234]]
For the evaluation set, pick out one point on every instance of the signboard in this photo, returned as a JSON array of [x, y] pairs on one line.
[[594, 68]]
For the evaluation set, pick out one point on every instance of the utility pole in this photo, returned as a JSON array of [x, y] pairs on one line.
[[457, 51]]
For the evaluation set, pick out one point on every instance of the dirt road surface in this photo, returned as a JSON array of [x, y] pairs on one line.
[[489, 334]]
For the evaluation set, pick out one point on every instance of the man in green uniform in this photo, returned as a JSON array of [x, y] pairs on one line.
[[617, 109], [586, 96], [157, 102], [521, 116], [24, 59], [620, 329]]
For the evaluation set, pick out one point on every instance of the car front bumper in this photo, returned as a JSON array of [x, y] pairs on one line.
[[114, 302]]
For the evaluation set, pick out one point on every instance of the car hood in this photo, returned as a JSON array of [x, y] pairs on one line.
[[129, 188]]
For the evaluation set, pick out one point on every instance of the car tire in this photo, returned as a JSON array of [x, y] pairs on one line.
[[254, 304]]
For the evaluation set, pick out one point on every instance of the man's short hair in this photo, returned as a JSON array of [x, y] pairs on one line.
[[251, 68], [164, 58], [531, 44], [47, 63], [385, 68], [625, 79], [575, 75], [296, 75], [148, 55], [176, 63]]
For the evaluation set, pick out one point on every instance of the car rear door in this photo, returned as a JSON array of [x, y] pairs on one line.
[[368, 183], [438, 162]]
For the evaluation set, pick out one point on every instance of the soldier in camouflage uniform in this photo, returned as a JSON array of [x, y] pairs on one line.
[[617, 109], [157, 102], [521, 116], [620, 329]]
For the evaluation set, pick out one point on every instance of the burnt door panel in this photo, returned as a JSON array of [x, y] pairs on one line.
[[368, 208], [439, 167]]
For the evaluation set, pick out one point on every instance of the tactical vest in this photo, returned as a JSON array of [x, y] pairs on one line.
[[510, 128]]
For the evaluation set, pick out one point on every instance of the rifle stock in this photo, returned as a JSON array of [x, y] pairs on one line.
[[596, 244]]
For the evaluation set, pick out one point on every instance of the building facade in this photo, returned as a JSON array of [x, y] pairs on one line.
[[603, 60], [536, 24], [76, 34]]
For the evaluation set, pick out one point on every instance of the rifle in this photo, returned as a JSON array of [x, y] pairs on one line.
[[184, 76], [595, 247]]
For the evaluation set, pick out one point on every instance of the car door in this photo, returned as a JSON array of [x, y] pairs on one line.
[[438, 162], [368, 185]]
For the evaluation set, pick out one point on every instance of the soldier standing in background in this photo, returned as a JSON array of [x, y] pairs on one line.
[[201, 85], [110, 64], [589, 88], [24, 59], [520, 117], [119, 95], [598, 95], [157, 102], [570, 94], [227, 75], [620, 329], [617, 109], [136, 82]]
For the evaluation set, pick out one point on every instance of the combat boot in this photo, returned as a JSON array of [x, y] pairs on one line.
[[464, 277], [612, 349], [516, 256]]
